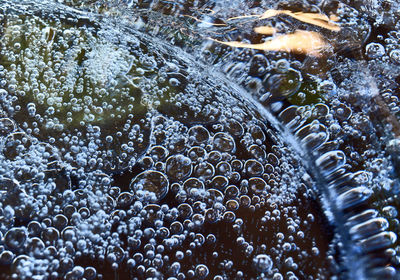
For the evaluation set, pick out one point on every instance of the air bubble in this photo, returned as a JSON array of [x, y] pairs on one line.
[[331, 161], [257, 185], [262, 263], [395, 56], [204, 171], [374, 50], [178, 167], [7, 126], [223, 142], [15, 238], [151, 181], [201, 271], [259, 65], [253, 168], [198, 135], [6, 257], [284, 84], [219, 182]]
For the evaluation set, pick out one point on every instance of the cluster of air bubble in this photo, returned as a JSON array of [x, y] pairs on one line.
[[123, 157], [370, 95], [67, 87], [351, 194], [347, 109], [346, 104]]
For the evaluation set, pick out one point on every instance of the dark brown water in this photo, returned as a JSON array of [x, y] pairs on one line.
[[199, 140]]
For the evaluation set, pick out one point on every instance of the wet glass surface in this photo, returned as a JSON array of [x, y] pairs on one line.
[[199, 139]]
